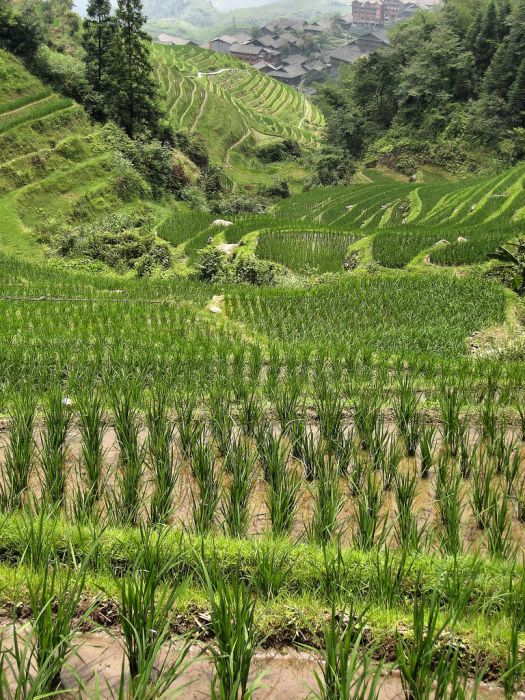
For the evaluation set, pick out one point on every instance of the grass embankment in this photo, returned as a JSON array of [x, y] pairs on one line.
[[293, 585]]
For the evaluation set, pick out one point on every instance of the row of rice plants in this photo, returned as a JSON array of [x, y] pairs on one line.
[[305, 251], [35, 659], [181, 226], [400, 314]]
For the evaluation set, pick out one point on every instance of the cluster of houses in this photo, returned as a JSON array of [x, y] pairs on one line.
[[278, 48]]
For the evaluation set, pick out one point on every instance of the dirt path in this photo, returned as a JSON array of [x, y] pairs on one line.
[[236, 145], [29, 104], [200, 112]]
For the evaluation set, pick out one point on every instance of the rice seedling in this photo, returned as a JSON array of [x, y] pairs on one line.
[[189, 429], [328, 503], [481, 501], [378, 443], [450, 508], [417, 658], [57, 419], [146, 601], [390, 463], [451, 402], [409, 535], [347, 672], [426, 446], [207, 494], [239, 462], [519, 497], [367, 414], [512, 472], [520, 407], [250, 410], [467, 456], [489, 417], [369, 522], [515, 670], [499, 527], [500, 450], [92, 431], [125, 505], [283, 483], [344, 451], [38, 535], [330, 410], [161, 457], [221, 419], [390, 573], [19, 451], [55, 595], [235, 637], [273, 564], [407, 414], [310, 453], [360, 468]]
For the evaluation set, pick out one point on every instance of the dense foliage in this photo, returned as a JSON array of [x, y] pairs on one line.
[[449, 89]]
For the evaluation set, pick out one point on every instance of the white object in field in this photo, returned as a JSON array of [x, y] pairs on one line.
[[441, 242], [462, 240], [221, 222], [67, 401], [215, 309]]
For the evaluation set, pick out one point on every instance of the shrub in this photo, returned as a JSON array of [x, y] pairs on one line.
[[278, 151]]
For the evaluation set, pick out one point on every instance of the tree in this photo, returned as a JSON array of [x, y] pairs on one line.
[[132, 92], [501, 73], [517, 96], [514, 253], [96, 41], [486, 42], [20, 32]]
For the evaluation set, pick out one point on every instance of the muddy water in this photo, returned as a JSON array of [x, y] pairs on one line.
[[424, 506], [286, 675]]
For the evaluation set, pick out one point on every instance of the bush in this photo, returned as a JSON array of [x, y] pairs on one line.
[[279, 190], [278, 151], [211, 264], [238, 203], [193, 146]]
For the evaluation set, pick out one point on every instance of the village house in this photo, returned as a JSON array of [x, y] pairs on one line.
[[251, 53], [362, 46], [171, 40]]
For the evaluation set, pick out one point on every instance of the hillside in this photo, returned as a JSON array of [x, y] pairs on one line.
[[200, 26], [56, 168], [236, 108]]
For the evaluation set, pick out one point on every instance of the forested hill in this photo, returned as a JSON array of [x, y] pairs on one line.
[[450, 90]]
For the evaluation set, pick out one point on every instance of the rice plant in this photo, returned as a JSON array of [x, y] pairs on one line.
[[409, 534], [19, 451], [451, 402], [55, 595], [347, 671], [515, 670], [390, 464], [369, 522], [161, 457], [426, 446], [57, 419], [235, 637], [328, 503], [206, 493], [282, 499], [239, 462], [330, 410], [417, 657], [221, 419], [126, 504], [499, 528], [450, 508], [481, 493], [407, 415], [189, 429], [146, 598], [92, 431], [286, 403], [310, 453]]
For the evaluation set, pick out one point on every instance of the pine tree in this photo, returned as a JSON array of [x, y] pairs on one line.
[[501, 73], [486, 43], [517, 96], [96, 41], [132, 89]]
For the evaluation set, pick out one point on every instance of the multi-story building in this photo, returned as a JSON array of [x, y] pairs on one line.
[[376, 11]]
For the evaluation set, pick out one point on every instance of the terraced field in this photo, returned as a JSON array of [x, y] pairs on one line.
[[55, 166], [232, 104]]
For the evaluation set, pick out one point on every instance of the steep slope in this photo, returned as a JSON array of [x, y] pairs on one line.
[[235, 107]]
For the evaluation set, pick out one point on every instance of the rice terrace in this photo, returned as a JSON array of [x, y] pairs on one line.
[[262, 362]]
